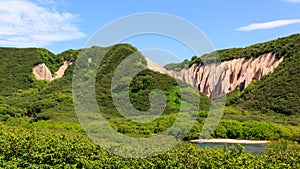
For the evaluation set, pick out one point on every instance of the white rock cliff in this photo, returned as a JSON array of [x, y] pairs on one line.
[[218, 78], [42, 72]]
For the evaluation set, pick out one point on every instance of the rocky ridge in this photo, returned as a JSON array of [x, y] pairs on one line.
[[211, 79], [218, 78]]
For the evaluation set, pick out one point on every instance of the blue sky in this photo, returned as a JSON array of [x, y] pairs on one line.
[[62, 24]]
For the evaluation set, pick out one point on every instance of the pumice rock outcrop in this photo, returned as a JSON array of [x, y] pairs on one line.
[[42, 72], [156, 66], [61, 70], [218, 78]]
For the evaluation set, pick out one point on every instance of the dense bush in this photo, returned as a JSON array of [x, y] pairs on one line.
[[277, 92], [23, 148]]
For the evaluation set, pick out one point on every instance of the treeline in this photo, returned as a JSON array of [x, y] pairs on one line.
[[282, 47]]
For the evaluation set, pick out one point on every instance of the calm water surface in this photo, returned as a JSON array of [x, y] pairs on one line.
[[254, 148]]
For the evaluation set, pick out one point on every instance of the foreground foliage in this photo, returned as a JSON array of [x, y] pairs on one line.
[[40, 148]]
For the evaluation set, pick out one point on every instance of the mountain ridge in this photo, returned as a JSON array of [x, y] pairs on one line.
[[49, 95]]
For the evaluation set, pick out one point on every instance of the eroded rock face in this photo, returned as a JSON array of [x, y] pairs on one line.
[[41, 71], [61, 70], [218, 78], [156, 66]]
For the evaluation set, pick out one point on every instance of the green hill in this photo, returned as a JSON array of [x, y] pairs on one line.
[[39, 127], [16, 67], [273, 99], [40, 100], [276, 93]]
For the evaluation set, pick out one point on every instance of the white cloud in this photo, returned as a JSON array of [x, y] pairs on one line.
[[24, 23], [268, 25], [291, 1]]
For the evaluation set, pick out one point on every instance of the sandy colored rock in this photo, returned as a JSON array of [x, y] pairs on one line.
[[155, 66], [61, 70], [218, 78], [230, 141], [42, 72]]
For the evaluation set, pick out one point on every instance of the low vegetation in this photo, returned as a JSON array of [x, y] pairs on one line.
[[43, 148]]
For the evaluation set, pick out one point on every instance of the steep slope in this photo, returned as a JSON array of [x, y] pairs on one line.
[[16, 67], [141, 85], [217, 78], [53, 99], [42, 72], [21, 66], [277, 92], [23, 94]]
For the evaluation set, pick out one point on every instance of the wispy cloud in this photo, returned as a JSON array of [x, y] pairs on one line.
[[47, 2], [268, 25], [291, 1], [24, 23]]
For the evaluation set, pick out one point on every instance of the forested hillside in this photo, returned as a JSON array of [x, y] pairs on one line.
[[39, 126], [277, 93]]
